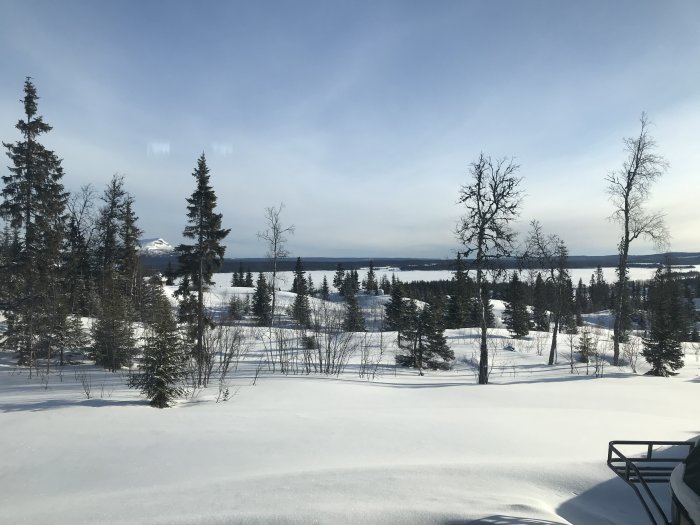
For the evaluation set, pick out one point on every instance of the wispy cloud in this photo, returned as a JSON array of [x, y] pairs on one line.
[[158, 149]]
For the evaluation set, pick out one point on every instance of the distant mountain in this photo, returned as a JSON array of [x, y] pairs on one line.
[[155, 247]]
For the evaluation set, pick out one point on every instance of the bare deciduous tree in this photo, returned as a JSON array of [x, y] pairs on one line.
[[492, 200], [275, 235], [628, 190], [549, 252]]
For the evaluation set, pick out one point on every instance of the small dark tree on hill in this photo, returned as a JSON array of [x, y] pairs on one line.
[[325, 293], [457, 304], [371, 285], [516, 316], [540, 317], [300, 310], [339, 278], [394, 310], [669, 325], [423, 344], [354, 320], [262, 302], [170, 274]]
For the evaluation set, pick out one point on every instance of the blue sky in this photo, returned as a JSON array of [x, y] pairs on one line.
[[362, 117]]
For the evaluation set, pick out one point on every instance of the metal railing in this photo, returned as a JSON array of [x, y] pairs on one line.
[[641, 471]]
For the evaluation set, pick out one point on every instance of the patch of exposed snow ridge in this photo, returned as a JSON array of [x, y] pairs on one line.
[[156, 247]]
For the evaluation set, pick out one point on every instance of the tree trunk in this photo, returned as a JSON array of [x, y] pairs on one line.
[[484, 351]]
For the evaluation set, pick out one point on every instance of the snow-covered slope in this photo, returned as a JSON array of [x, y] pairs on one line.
[[530, 447], [156, 247]]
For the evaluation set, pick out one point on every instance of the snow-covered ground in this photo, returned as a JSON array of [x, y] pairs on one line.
[[527, 448]]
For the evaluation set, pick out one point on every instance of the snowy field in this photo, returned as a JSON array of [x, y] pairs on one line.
[[529, 447]]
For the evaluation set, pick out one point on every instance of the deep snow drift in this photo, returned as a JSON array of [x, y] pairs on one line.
[[528, 448]]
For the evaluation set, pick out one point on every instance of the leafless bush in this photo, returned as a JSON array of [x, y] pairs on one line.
[[85, 380], [630, 352], [332, 345]]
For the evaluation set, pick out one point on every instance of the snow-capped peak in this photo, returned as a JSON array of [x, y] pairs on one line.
[[156, 246]]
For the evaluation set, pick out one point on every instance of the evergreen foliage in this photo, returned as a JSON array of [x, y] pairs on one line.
[[301, 312], [339, 278], [164, 362], [354, 321], [112, 334], [199, 259], [423, 343], [325, 291], [262, 302], [33, 205], [540, 317], [371, 285], [515, 315], [669, 325]]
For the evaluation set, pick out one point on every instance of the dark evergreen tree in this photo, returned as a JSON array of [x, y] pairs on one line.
[[354, 320], [310, 286], [339, 278], [199, 259], [540, 316], [325, 291], [423, 343], [669, 325], [581, 302], [394, 310], [33, 204], [170, 274], [112, 334], [163, 365], [385, 285], [249, 280], [599, 291], [262, 302], [474, 308], [371, 285], [301, 312], [515, 315], [457, 305]]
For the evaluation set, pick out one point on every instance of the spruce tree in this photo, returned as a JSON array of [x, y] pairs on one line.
[[113, 339], [199, 259], [354, 320], [371, 285], [325, 291], [262, 302], [249, 280], [459, 298], [669, 325], [301, 312], [516, 316], [423, 344], [33, 204], [170, 274], [339, 278], [540, 317], [394, 310], [164, 361]]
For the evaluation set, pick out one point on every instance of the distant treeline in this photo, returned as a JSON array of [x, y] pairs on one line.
[[260, 264]]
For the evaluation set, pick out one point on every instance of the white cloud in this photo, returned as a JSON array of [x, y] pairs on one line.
[[158, 149]]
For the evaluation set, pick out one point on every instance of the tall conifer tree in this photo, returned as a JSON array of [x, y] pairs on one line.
[[33, 203], [199, 259]]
